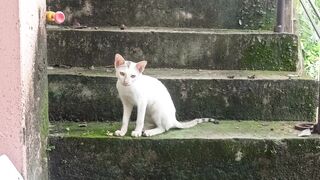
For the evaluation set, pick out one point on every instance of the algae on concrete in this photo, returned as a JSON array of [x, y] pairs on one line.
[[91, 95], [259, 14], [261, 54], [163, 48], [230, 150], [217, 14], [225, 129]]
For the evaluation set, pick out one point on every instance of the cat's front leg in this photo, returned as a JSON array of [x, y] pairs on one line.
[[127, 109], [141, 109]]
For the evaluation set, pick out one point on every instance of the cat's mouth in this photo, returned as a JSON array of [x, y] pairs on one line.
[[125, 84]]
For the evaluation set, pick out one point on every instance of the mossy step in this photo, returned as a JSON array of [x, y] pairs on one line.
[[80, 94], [228, 150], [234, 14], [227, 129], [174, 48]]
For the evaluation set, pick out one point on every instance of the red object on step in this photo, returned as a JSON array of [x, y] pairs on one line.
[[57, 17]]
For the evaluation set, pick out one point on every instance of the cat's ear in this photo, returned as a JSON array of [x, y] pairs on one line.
[[118, 60], [141, 65]]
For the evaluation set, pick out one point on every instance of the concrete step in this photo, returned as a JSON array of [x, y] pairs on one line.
[[233, 14], [229, 150], [174, 48], [79, 94]]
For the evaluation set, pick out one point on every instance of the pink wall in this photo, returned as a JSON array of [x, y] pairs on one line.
[[11, 126]]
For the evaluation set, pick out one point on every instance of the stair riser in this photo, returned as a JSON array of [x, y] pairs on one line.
[[220, 51], [170, 13], [98, 158], [82, 98]]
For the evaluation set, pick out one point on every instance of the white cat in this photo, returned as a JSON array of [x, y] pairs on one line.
[[155, 110]]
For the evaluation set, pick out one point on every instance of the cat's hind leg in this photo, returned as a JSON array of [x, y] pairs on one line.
[[141, 113], [148, 126], [148, 123], [152, 132]]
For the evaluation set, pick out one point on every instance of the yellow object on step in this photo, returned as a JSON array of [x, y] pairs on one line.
[[57, 17], [50, 16]]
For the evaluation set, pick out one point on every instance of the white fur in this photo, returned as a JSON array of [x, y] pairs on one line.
[[155, 108]]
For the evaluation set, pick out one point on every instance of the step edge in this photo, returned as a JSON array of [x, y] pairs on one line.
[[226, 130], [202, 74], [165, 30]]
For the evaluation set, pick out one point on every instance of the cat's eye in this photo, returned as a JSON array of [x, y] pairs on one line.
[[122, 73], [133, 76]]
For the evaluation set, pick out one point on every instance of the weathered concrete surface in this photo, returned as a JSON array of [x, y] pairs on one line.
[[219, 14], [23, 91], [90, 95], [33, 49], [174, 48], [230, 150]]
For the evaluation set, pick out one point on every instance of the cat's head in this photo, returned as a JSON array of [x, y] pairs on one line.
[[127, 71]]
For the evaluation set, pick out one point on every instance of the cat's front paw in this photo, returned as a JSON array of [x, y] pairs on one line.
[[136, 133], [119, 133]]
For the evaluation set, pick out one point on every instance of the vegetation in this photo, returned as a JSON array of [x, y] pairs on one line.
[[310, 42]]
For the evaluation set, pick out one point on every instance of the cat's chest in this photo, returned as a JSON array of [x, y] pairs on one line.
[[130, 94]]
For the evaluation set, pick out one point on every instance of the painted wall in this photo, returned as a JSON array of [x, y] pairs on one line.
[[23, 85], [12, 124]]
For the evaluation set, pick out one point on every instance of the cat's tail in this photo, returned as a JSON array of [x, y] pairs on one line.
[[189, 124]]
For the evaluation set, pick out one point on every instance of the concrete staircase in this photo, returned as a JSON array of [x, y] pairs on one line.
[[217, 58]]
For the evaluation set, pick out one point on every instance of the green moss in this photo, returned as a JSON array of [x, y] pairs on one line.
[[44, 130], [261, 54], [216, 50], [230, 150], [44, 125], [309, 103], [206, 94], [225, 129], [259, 14]]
